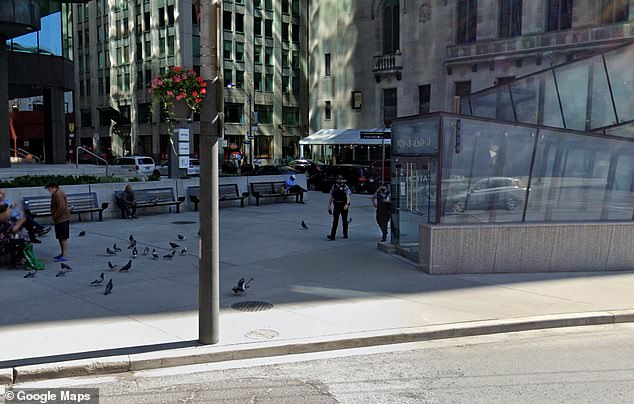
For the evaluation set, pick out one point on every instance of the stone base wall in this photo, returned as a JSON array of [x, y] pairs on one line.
[[522, 247]]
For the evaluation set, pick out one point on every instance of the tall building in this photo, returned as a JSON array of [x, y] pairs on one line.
[[374, 60], [36, 78], [123, 44]]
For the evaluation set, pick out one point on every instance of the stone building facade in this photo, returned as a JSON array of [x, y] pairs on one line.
[[374, 60]]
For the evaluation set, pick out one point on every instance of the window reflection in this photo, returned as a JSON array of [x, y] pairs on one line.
[[619, 64]]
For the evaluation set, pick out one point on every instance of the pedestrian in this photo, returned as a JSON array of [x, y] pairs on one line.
[[293, 188], [381, 200], [127, 203], [26, 221], [340, 197], [61, 218]]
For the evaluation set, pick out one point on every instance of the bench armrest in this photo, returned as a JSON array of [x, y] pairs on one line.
[[245, 194], [104, 205], [194, 198], [181, 199]]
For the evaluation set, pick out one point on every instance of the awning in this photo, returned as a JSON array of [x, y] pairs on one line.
[[343, 136]]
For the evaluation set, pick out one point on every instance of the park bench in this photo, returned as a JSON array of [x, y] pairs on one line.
[[38, 206], [271, 190], [226, 192], [149, 198]]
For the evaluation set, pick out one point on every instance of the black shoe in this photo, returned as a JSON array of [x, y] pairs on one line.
[[35, 241], [383, 240], [331, 238]]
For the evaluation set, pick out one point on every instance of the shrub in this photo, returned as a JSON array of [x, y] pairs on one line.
[[42, 180]]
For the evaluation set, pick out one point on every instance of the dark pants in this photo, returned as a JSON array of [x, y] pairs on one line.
[[32, 227], [296, 189], [383, 217], [339, 211], [128, 209]]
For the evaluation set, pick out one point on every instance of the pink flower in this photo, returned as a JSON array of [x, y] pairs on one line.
[[195, 93], [178, 69], [179, 97], [177, 79], [159, 82], [153, 85], [203, 91], [170, 93]]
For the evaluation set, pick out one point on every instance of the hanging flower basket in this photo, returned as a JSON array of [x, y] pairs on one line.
[[179, 92]]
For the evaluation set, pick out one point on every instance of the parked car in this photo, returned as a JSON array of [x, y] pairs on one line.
[[489, 193], [358, 177], [387, 171], [164, 168], [140, 165], [310, 167], [273, 170]]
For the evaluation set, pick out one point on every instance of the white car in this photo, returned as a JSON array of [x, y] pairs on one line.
[[139, 165], [193, 169]]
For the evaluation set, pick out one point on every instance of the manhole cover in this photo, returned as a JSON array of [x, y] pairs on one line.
[[184, 222], [251, 306], [262, 334]]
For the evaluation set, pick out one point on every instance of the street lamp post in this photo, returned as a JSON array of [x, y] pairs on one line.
[[250, 112]]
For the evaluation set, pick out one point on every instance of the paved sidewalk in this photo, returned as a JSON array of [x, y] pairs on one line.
[[318, 288]]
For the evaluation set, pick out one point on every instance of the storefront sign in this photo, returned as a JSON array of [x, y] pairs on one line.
[[183, 148], [415, 138], [183, 135]]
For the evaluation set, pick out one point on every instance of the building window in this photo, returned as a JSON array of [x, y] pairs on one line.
[[285, 32], [268, 83], [268, 5], [467, 21], [239, 79], [510, 18], [257, 26], [86, 118], [462, 88], [228, 76], [239, 22], [233, 113], [295, 33], [148, 78], [295, 59], [286, 84], [226, 20], [290, 146], [357, 99], [328, 110], [226, 53], [285, 59], [295, 7], [268, 56], [258, 83], [285, 6], [391, 27], [257, 54], [139, 79], [559, 14], [265, 114], [295, 82], [268, 28], [613, 11], [146, 21], [161, 17], [263, 146], [424, 99], [104, 119], [290, 116], [389, 106], [239, 52], [144, 114], [327, 64], [170, 15]]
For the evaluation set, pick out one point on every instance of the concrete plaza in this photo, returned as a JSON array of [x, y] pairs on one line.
[[317, 287]]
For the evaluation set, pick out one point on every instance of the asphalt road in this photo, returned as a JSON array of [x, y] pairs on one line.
[[580, 365]]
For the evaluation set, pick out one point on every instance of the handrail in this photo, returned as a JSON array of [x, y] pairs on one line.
[[25, 153], [80, 148]]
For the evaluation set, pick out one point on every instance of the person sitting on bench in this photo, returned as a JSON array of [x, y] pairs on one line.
[[33, 228], [127, 203], [293, 188], [10, 220]]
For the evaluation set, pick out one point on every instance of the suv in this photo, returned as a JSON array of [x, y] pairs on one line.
[[359, 178], [489, 193], [140, 165]]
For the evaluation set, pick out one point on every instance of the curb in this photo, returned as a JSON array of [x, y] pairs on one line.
[[210, 354]]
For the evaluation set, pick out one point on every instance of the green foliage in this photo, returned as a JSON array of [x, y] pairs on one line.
[[135, 179], [156, 176], [42, 180]]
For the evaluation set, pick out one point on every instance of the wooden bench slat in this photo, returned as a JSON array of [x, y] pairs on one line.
[[275, 189], [155, 197]]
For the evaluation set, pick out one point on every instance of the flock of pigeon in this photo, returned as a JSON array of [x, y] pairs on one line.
[[238, 290]]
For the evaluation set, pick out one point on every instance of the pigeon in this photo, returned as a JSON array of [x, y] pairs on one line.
[[134, 253], [184, 251], [180, 236], [108, 288], [132, 244], [112, 266], [131, 238], [66, 267], [146, 251], [154, 254], [304, 226], [31, 274], [97, 282], [60, 273], [169, 256], [82, 233], [241, 287], [126, 267], [110, 252], [174, 245], [115, 247]]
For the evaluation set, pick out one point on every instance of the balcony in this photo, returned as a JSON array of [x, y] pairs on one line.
[[385, 65], [580, 38]]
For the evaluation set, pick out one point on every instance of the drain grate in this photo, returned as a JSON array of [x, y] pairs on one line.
[[184, 222], [252, 306], [262, 334]]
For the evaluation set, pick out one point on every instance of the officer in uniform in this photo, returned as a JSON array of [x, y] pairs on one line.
[[340, 197]]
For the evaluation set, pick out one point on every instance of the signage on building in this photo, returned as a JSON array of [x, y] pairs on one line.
[[183, 135], [375, 135], [415, 139], [183, 161]]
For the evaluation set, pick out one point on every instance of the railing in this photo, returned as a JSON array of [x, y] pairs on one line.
[[97, 158], [25, 154], [543, 41], [388, 63]]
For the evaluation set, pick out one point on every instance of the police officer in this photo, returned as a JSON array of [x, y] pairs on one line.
[[383, 204], [340, 197]]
